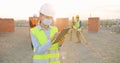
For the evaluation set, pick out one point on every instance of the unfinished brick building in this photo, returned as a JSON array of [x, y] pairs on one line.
[[61, 23], [7, 25], [93, 24]]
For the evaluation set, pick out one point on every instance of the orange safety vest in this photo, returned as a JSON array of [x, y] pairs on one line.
[[33, 23]]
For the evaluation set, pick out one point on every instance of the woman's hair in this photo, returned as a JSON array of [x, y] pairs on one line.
[[42, 14], [46, 16]]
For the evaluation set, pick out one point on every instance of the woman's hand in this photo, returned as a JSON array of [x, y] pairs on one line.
[[55, 36], [61, 41]]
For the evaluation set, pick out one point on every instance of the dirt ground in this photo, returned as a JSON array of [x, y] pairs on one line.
[[103, 47]]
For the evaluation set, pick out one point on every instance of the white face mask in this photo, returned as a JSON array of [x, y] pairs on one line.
[[47, 22]]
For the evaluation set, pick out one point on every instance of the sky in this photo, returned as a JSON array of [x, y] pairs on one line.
[[23, 9]]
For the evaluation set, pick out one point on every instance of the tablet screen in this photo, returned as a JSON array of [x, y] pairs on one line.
[[61, 35]]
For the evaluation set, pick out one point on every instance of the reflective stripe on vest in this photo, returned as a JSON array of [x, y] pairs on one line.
[[53, 47], [45, 56], [55, 62]]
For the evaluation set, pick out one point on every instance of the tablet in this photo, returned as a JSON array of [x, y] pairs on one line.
[[61, 35]]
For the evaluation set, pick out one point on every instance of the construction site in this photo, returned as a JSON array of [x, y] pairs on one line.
[[59, 31], [103, 42]]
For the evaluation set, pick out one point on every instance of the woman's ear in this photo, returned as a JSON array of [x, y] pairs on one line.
[[40, 19]]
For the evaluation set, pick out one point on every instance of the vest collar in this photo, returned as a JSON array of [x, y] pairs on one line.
[[40, 28]]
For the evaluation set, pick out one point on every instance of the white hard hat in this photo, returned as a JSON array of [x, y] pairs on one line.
[[47, 9]]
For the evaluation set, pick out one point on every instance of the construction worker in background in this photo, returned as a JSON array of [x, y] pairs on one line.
[[33, 21], [72, 24], [78, 27], [42, 37]]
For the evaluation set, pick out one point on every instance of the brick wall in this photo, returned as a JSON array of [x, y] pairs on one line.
[[93, 24], [61, 23], [7, 25]]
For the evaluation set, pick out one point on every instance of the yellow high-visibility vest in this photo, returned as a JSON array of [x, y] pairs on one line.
[[41, 36], [78, 25]]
